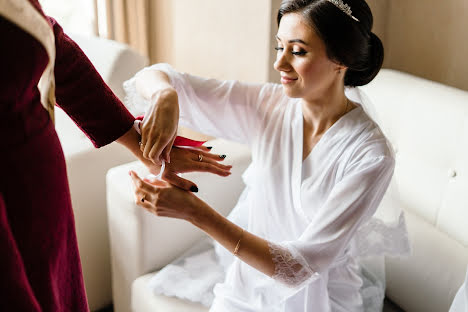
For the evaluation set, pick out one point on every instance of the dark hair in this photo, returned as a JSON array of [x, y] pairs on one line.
[[348, 42]]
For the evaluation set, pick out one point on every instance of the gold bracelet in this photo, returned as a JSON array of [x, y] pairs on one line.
[[238, 243]]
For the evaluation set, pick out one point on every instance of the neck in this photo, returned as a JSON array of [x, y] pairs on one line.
[[322, 111]]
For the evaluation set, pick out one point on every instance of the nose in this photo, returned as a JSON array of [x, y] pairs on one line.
[[281, 63]]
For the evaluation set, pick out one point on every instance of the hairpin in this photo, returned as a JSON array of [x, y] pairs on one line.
[[344, 7]]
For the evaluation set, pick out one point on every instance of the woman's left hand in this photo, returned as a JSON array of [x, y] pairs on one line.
[[190, 160], [165, 200]]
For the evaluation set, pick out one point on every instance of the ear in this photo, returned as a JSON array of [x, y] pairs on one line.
[[340, 68]]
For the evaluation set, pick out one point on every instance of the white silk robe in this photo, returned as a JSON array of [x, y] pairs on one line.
[[460, 302], [310, 211]]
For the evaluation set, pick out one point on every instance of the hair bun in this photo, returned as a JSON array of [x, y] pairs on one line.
[[372, 66]]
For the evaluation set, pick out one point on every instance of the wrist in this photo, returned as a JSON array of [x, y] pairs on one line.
[[165, 102], [164, 95], [130, 140], [205, 217]]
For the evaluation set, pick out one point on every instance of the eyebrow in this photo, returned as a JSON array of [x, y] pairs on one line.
[[293, 40]]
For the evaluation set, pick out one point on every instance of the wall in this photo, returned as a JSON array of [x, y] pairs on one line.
[[234, 39], [220, 39], [428, 38], [379, 10]]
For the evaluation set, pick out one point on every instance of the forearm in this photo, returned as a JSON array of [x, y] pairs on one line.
[[253, 250], [84, 96], [131, 140]]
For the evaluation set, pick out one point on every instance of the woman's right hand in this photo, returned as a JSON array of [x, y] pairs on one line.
[[159, 126], [188, 160]]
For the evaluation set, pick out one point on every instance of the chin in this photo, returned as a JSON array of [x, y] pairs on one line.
[[290, 92]]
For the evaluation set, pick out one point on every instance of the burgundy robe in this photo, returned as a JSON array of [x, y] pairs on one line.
[[39, 261]]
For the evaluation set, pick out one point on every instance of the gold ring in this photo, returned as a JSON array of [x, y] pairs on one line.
[[200, 157]]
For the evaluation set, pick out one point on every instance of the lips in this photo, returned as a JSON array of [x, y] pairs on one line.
[[286, 80]]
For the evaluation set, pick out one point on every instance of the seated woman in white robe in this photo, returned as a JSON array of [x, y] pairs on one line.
[[320, 165]]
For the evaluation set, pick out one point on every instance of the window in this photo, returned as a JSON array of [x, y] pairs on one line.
[[75, 16]]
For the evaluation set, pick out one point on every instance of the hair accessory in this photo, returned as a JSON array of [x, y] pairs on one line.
[[344, 7]]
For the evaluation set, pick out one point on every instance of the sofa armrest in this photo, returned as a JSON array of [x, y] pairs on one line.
[[142, 242]]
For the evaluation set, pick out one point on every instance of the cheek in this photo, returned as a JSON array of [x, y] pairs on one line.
[[315, 72]]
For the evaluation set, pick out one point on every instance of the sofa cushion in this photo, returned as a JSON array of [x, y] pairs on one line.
[[429, 279]]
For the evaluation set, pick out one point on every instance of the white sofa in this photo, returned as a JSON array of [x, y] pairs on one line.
[[426, 122], [88, 166]]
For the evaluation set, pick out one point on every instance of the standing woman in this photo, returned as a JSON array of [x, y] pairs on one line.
[[320, 165], [39, 259]]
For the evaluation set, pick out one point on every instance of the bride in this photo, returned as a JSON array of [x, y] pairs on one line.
[[320, 167]]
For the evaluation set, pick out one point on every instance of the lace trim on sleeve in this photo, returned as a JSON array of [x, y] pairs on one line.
[[134, 102], [376, 238], [291, 270]]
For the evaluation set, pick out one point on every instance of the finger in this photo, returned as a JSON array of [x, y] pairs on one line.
[[215, 163], [182, 183], [143, 135], [157, 148], [137, 182], [144, 130], [209, 155], [207, 167], [141, 186], [146, 149], [211, 160], [167, 214], [143, 200], [202, 148], [166, 153], [156, 182], [147, 140], [154, 145], [141, 196], [147, 205]]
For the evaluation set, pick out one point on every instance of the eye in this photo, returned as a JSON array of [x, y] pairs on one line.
[[279, 48], [299, 53]]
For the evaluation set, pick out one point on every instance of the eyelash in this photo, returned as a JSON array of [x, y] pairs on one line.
[[300, 53]]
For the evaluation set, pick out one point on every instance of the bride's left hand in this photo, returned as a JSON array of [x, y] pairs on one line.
[[166, 200]]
